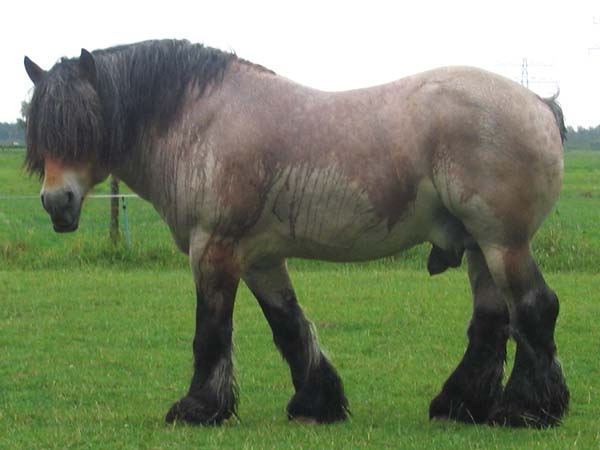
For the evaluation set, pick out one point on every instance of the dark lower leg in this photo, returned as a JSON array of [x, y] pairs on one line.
[[536, 394], [211, 397], [319, 391], [476, 384]]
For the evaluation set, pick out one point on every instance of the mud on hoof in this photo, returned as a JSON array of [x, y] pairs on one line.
[[540, 403], [321, 399], [198, 412]]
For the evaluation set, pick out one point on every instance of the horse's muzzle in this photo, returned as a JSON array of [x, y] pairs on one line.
[[64, 207]]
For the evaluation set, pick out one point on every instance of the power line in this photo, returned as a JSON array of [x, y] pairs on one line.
[[525, 73], [526, 79], [595, 21], [531, 72]]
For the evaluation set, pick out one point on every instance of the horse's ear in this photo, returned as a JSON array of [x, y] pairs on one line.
[[35, 72], [87, 66]]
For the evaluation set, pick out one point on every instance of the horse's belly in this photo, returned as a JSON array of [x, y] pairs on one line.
[[356, 243], [341, 224]]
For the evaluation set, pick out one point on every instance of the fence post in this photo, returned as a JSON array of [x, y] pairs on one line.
[[114, 210], [126, 223]]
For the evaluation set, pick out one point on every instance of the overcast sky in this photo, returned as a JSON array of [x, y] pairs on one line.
[[330, 45]]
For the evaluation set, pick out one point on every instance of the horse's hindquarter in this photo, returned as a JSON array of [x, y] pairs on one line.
[[498, 160]]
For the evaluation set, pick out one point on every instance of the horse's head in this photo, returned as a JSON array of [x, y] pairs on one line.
[[65, 186], [65, 136]]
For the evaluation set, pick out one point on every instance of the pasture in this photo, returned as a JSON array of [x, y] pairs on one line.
[[95, 340]]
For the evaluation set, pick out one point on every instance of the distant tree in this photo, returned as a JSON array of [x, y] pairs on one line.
[[11, 133], [583, 138], [22, 121]]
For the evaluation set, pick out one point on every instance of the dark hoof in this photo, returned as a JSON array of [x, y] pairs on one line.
[[192, 411], [301, 410], [445, 407], [471, 391], [509, 416], [526, 410], [321, 399], [540, 401]]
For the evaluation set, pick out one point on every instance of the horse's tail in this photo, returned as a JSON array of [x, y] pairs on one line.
[[558, 114]]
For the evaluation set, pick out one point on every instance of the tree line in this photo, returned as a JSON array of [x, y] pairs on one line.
[[583, 138], [11, 134]]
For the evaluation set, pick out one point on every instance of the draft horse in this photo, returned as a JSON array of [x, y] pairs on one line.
[[248, 168]]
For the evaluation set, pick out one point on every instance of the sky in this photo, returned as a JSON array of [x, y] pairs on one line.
[[329, 45]]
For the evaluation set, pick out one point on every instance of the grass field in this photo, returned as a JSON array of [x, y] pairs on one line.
[[568, 241], [95, 341], [94, 358]]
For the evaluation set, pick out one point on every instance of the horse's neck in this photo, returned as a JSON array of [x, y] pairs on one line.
[[160, 160]]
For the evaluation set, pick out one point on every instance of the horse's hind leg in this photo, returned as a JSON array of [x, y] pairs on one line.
[[212, 394], [536, 394], [476, 384], [319, 393]]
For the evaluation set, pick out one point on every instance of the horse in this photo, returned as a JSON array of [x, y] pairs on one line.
[[248, 169]]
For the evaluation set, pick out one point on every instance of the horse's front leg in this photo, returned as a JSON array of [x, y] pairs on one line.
[[319, 393], [212, 394]]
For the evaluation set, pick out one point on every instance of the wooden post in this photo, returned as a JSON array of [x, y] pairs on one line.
[[114, 210]]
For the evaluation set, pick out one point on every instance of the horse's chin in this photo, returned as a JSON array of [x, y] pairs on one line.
[[61, 228]]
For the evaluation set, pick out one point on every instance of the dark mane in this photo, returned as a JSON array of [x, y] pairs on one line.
[[137, 85]]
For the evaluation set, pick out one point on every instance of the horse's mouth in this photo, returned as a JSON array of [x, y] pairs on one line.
[[65, 227]]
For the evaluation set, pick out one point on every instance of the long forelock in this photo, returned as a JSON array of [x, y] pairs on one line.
[[138, 86], [64, 119]]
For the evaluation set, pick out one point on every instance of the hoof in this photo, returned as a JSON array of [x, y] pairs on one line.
[[195, 412], [509, 416], [304, 420], [469, 395], [515, 411], [321, 399], [534, 399], [311, 415], [446, 408]]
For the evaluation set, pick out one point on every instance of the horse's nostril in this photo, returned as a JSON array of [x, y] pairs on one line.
[[70, 197], [42, 199]]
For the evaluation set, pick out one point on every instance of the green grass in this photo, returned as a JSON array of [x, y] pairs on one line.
[[28, 242], [569, 240], [94, 358], [95, 340]]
